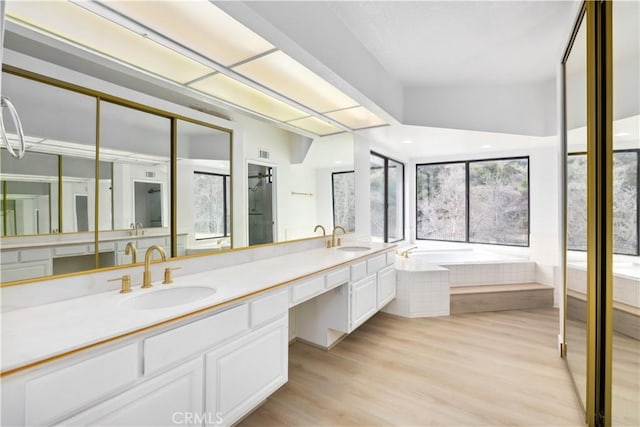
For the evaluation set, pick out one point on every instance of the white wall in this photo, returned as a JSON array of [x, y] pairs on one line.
[[518, 109]]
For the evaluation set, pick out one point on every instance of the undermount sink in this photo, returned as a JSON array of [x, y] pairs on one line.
[[167, 297], [353, 248]]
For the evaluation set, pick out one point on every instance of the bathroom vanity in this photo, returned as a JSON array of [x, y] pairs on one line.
[[107, 359]]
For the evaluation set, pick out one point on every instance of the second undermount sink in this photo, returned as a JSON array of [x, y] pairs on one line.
[[353, 248], [168, 297]]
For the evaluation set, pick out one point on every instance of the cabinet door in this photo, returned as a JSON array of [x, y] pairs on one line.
[[386, 286], [363, 301], [174, 397], [243, 373]]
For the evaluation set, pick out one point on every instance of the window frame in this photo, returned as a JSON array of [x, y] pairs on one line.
[[467, 210], [623, 150], [225, 205], [386, 196]]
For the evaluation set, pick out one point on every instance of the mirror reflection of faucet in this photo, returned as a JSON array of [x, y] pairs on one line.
[[324, 232], [131, 249]]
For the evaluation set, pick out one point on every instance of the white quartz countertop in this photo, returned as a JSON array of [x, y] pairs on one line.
[[35, 334]]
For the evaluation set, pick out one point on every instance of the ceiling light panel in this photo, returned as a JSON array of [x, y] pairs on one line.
[[237, 93], [198, 25], [74, 23], [288, 77], [315, 125], [356, 118]]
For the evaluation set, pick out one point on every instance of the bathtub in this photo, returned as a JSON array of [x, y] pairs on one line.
[[460, 256], [468, 267], [424, 279]]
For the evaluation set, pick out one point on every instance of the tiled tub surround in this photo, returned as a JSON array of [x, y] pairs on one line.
[[89, 360], [425, 278], [422, 289]]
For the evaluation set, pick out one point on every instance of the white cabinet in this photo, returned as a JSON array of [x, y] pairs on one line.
[[363, 301], [302, 291], [171, 398], [53, 395], [243, 373], [167, 348], [386, 286]]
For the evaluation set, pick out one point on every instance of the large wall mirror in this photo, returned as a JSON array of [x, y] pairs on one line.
[[302, 183], [204, 182], [135, 207], [94, 188]]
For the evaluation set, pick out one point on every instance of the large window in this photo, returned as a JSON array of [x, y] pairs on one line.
[[625, 202], [442, 201], [479, 201], [387, 198], [211, 205], [344, 199]]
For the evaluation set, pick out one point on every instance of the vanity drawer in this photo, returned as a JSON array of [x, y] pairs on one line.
[[391, 258], [358, 271], [9, 257], [337, 277], [172, 346], [303, 291], [71, 250], [35, 254], [376, 263], [269, 307], [55, 394]]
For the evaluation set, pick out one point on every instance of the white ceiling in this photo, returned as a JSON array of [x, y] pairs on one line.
[[441, 43]]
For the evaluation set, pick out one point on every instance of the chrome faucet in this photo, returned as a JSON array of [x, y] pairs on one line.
[[146, 276], [131, 249], [140, 228], [324, 232], [333, 235]]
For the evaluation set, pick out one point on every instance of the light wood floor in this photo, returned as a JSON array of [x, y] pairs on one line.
[[480, 369]]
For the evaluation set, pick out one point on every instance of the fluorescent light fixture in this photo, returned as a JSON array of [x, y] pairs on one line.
[[198, 25], [288, 77], [356, 118], [237, 93], [78, 25], [315, 125]]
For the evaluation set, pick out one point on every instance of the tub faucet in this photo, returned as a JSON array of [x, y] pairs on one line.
[[406, 252], [131, 248], [333, 235], [146, 276], [324, 232]]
